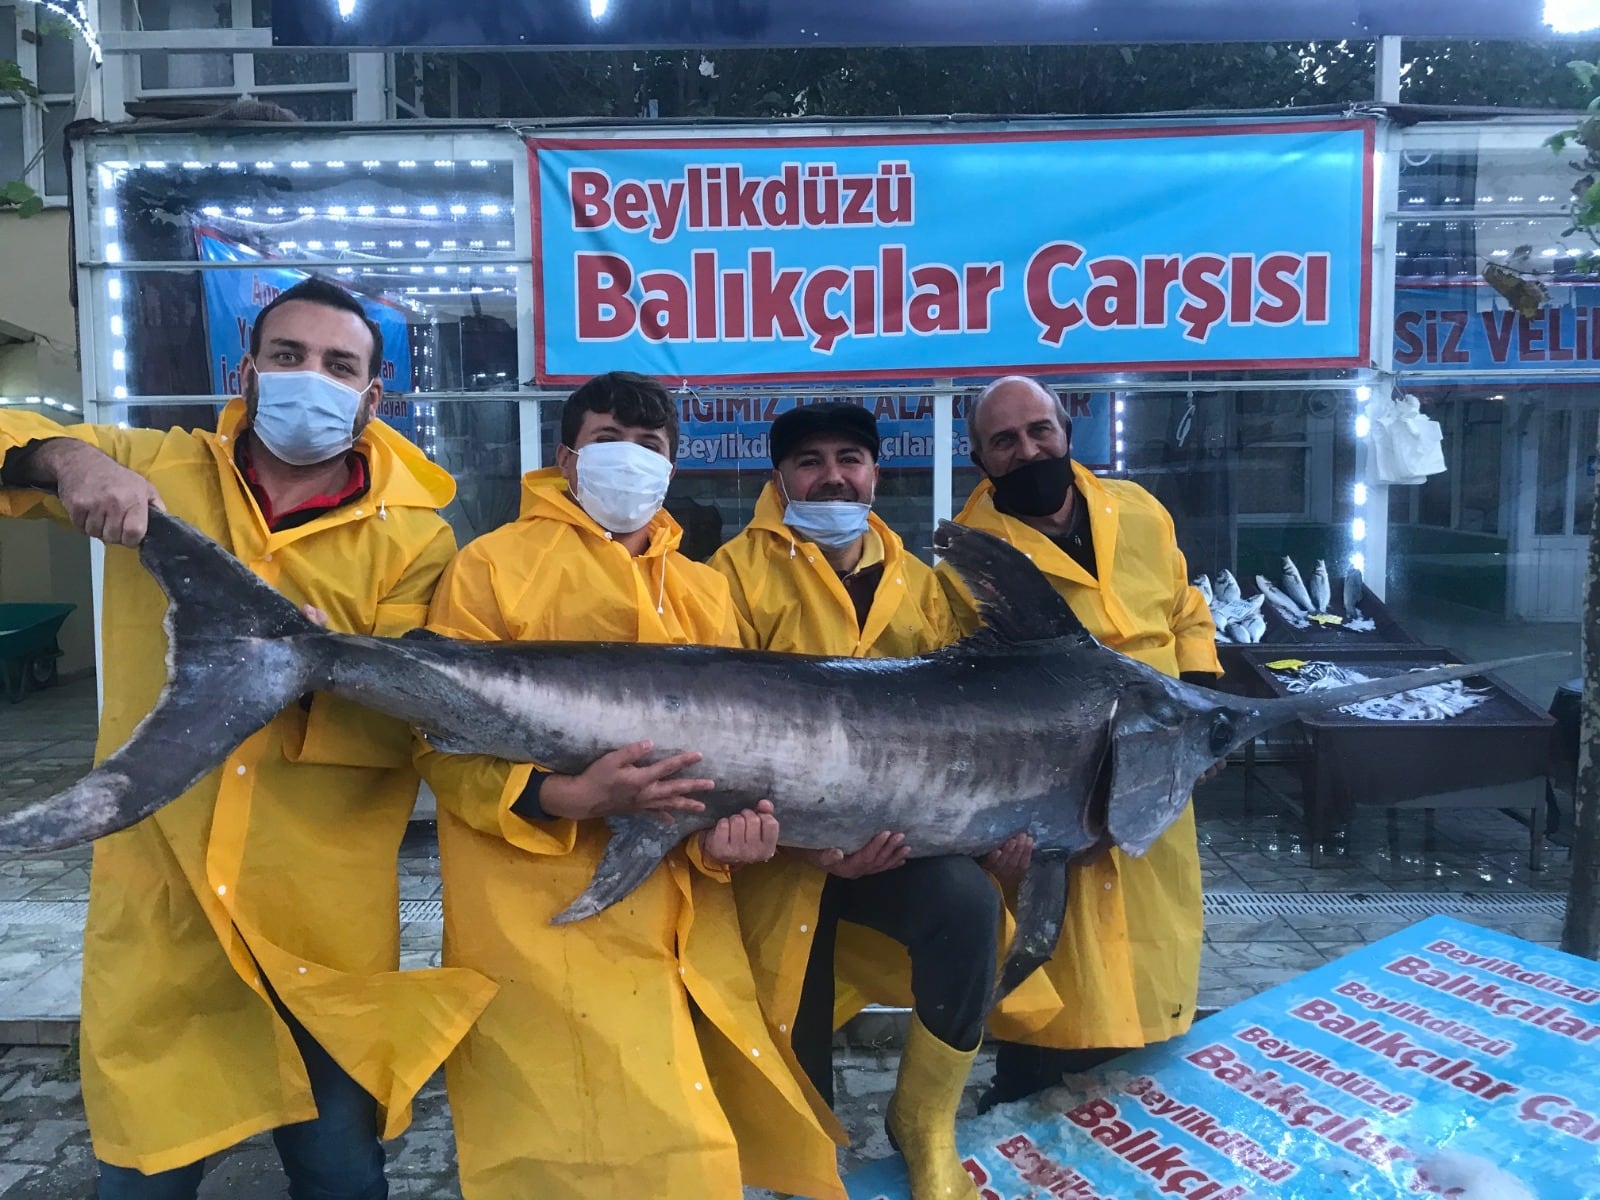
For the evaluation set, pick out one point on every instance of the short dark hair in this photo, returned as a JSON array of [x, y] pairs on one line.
[[317, 290], [631, 398]]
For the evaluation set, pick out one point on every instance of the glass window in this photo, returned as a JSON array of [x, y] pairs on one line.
[[10, 142], [1583, 494], [480, 443], [1555, 454], [282, 68], [1480, 471], [186, 72], [428, 242], [56, 119], [57, 75]]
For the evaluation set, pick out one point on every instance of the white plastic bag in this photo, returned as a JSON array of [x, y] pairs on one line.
[[1407, 446]]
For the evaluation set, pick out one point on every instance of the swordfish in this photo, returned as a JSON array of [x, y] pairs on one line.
[[1030, 725]]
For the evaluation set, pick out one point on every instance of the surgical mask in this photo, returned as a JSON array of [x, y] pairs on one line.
[[831, 524], [622, 484], [1035, 489], [304, 417]]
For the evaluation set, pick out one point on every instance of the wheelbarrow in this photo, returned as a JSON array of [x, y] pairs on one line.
[[28, 648]]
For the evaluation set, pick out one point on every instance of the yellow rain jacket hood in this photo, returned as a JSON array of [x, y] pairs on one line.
[[279, 867], [626, 1053], [789, 599], [1127, 966]]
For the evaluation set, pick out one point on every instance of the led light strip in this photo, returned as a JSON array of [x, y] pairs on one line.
[[76, 15], [42, 401], [1358, 523]]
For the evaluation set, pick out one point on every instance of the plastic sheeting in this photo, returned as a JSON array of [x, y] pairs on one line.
[[1445, 1060]]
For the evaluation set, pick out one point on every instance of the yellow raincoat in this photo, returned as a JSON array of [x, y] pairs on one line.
[[625, 1054], [281, 863], [1127, 966], [789, 599]]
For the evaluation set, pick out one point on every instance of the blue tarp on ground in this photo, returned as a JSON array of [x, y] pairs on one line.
[[1445, 1060]]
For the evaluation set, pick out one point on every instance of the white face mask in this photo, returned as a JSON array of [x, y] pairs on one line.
[[622, 484], [831, 524], [304, 417]]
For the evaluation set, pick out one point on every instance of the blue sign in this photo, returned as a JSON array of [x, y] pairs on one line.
[[616, 23], [1447, 1060], [729, 433], [905, 256], [1473, 331], [235, 298]]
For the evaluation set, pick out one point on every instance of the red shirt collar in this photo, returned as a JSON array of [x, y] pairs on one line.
[[356, 486]]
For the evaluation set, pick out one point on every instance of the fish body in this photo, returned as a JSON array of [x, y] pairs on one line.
[[1321, 590], [1353, 588], [1030, 725], [1227, 588], [1295, 588], [1288, 611], [1202, 584], [1231, 612]]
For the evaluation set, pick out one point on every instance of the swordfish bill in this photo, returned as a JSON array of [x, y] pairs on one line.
[[1028, 726]]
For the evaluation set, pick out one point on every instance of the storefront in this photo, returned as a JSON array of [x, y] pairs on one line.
[[1214, 301]]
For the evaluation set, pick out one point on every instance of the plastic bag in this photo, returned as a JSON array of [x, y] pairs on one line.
[[1407, 446]]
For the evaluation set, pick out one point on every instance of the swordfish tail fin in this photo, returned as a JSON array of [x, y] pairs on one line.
[[238, 653]]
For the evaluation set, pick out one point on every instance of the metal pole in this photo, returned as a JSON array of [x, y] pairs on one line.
[[943, 449], [1386, 84]]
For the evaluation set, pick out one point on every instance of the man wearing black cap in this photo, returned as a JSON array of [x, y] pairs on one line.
[[817, 572]]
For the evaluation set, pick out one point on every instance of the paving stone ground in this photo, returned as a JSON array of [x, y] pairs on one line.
[[45, 1154]]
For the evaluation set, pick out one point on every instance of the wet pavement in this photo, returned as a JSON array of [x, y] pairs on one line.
[[1270, 917]]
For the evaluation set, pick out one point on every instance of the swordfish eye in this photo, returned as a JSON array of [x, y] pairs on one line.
[[1221, 734]]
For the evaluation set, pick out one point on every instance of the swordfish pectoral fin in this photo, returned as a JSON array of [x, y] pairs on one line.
[[1041, 911], [1148, 782], [638, 844]]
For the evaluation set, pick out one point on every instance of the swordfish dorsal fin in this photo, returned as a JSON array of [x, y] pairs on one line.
[[1014, 598]]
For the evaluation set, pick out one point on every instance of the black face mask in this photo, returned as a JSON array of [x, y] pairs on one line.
[[1035, 489]]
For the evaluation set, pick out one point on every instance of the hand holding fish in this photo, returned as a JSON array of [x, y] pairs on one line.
[[883, 852], [621, 782], [750, 836], [103, 499], [1010, 862]]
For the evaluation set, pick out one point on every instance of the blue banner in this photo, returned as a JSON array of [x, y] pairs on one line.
[[1473, 331], [234, 298], [906, 256], [1447, 1060], [729, 433]]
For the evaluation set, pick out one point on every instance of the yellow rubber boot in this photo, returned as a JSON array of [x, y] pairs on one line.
[[922, 1115]]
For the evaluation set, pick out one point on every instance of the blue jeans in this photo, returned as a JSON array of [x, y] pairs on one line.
[[335, 1156]]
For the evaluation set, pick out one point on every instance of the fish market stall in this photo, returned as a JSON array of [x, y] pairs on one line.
[[505, 264], [1481, 744]]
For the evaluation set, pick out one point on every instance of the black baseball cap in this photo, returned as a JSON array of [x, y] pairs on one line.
[[848, 420]]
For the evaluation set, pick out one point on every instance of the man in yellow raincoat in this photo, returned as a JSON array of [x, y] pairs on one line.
[[818, 572], [242, 945], [1128, 963], [625, 1054]]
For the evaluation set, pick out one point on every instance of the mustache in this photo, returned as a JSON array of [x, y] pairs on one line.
[[833, 491]]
